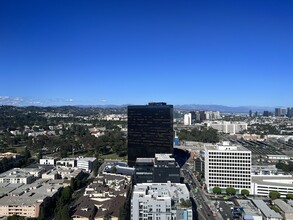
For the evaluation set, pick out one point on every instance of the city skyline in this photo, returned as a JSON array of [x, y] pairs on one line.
[[105, 52]]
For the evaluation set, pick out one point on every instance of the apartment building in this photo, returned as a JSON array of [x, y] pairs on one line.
[[26, 199], [18, 175], [160, 201]]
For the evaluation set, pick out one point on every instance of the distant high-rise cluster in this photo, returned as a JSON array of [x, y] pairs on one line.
[[280, 112], [199, 116], [290, 112]]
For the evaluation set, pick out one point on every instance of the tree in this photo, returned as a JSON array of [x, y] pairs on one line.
[[185, 203], [63, 213], [230, 191], [289, 196], [217, 190], [40, 155], [244, 192], [41, 213], [107, 216], [122, 213], [72, 184], [114, 169], [66, 194], [274, 195], [27, 154]]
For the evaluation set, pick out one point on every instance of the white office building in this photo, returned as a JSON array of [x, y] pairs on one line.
[[226, 166], [228, 127], [187, 119], [160, 201]]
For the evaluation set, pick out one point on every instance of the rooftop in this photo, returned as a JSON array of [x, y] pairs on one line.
[[145, 160], [226, 146], [248, 207], [165, 157], [280, 180], [266, 211], [284, 206]]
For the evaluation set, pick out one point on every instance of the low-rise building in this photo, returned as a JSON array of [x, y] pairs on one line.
[[84, 209], [286, 209], [263, 185], [268, 213], [47, 161], [264, 170], [160, 169], [26, 199], [86, 163], [108, 186], [66, 162], [20, 175], [277, 157], [107, 193], [250, 211]]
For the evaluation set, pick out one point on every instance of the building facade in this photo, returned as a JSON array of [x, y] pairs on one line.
[[47, 161], [161, 169], [187, 119], [160, 201], [150, 130], [280, 112], [228, 127], [226, 166], [86, 163]]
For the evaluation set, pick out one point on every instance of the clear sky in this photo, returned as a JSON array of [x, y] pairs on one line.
[[235, 53]]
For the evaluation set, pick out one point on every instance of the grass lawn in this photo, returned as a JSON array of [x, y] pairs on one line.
[[112, 156]]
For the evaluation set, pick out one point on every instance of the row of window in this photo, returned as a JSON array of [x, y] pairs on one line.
[[229, 161], [226, 180], [230, 153], [246, 186], [215, 175]]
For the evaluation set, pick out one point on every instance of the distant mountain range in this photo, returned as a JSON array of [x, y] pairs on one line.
[[188, 107], [222, 108]]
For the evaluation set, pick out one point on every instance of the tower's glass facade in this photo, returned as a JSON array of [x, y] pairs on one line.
[[150, 130]]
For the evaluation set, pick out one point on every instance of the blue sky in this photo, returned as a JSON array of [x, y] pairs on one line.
[[73, 52]]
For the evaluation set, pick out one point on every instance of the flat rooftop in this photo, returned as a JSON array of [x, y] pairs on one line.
[[86, 159], [144, 160], [248, 207], [164, 157], [269, 180], [226, 146], [19, 173], [17, 200]]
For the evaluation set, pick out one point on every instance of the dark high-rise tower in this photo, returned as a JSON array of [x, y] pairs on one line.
[[150, 130]]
